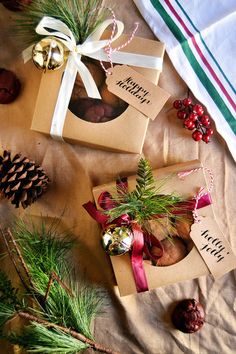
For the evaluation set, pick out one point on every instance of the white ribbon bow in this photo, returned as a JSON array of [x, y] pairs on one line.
[[92, 47]]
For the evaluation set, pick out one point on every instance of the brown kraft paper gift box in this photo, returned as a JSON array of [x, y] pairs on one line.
[[126, 133], [193, 265]]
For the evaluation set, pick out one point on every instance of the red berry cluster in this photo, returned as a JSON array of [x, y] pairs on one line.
[[194, 119]]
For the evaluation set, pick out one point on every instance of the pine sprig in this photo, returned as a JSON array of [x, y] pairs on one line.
[[39, 339], [145, 187], [43, 248], [81, 16], [145, 202], [60, 322], [45, 251]]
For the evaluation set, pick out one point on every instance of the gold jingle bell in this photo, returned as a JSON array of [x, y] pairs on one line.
[[48, 54], [117, 241]]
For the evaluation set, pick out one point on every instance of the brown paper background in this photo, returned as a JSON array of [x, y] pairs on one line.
[[140, 323]]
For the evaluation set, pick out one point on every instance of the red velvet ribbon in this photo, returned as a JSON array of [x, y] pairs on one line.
[[143, 241]]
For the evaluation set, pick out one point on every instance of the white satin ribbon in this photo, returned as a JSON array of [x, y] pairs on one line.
[[92, 47]]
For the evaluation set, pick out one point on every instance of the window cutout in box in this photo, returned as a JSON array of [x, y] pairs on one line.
[[174, 236], [95, 110]]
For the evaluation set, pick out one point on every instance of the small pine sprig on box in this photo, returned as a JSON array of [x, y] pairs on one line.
[[145, 201]]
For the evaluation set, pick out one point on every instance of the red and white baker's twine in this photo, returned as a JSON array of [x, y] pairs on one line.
[[109, 50], [201, 192]]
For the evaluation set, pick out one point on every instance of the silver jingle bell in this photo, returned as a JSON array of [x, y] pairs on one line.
[[117, 240]]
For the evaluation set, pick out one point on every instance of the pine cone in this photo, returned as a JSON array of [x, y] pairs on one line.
[[21, 180]]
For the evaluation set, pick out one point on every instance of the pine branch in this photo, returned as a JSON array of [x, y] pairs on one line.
[[53, 277], [70, 305], [82, 17], [145, 187], [18, 252], [96, 346], [13, 261], [37, 338]]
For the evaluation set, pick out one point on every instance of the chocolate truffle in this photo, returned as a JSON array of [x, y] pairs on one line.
[[188, 316], [174, 251], [15, 5], [9, 86]]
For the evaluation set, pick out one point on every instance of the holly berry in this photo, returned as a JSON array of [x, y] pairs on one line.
[[197, 135], [182, 114], [194, 119], [187, 101], [193, 116], [189, 124], [177, 104], [197, 108], [205, 120], [209, 131], [206, 138]]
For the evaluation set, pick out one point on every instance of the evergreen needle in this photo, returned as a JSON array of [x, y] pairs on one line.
[[81, 16]]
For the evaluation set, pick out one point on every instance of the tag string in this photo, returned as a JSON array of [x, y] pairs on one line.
[[108, 49], [201, 191]]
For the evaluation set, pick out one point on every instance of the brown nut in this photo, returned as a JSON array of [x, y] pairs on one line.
[[174, 251], [188, 316]]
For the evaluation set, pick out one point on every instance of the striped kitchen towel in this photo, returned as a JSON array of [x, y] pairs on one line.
[[200, 38]]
